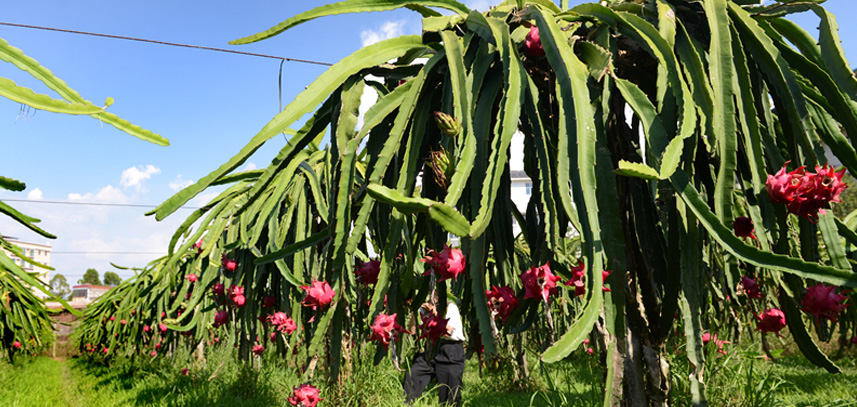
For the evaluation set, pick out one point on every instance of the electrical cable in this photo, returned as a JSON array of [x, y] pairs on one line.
[[174, 44], [90, 203]]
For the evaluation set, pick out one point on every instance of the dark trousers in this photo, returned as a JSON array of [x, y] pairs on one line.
[[447, 368]]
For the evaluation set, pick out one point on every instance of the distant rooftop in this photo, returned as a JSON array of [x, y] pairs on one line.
[[107, 287]]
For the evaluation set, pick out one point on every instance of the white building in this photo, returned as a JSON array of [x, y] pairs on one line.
[[86, 293], [39, 253], [522, 185]]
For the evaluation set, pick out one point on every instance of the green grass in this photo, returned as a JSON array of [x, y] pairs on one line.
[[744, 378], [741, 378]]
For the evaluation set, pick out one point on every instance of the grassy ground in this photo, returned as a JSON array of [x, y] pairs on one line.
[[741, 378]]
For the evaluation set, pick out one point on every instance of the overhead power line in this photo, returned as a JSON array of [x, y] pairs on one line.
[[91, 203], [174, 44]]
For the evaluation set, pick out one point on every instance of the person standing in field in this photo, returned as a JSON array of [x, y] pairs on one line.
[[447, 367]]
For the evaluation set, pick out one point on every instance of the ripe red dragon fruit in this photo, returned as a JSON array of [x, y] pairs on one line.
[[743, 227], [146, 329], [318, 294], [751, 288], [367, 273], [185, 372], [447, 264], [784, 187], [282, 322], [258, 349], [163, 327], [158, 345], [828, 184], [191, 277], [533, 43], [198, 246], [578, 274], [228, 264], [16, 345], [538, 282], [806, 194], [433, 327], [772, 320], [221, 318], [269, 302], [385, 329], [236, 295], [306, 395], [112, 319], [238, 300], [822, 301], [502, 301], [123, 322], [154, 353], [219, 289]]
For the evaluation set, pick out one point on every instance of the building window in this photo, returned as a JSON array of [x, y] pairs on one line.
[[529, 188]]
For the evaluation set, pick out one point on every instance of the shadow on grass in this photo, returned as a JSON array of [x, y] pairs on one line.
[[572, 382], [160, 386], [806, 378]]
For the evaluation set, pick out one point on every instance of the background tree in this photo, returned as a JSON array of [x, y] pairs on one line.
[[112, 279], [848, 197], [59, 286], [90, 277]]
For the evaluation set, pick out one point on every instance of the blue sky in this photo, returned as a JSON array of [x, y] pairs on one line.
[[207, 104]]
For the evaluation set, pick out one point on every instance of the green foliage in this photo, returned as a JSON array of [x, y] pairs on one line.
[[741, 378], [721, 94], [848, 197], [90, 277], [110, 278], [59, 286]]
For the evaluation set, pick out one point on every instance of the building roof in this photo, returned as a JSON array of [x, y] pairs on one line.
[[518, 175], [12, 239], [106, 287]]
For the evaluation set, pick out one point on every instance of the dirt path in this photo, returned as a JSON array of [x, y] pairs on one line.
[[69, 383]]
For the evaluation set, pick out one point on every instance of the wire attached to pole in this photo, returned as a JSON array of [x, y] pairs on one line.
[[174, 44]]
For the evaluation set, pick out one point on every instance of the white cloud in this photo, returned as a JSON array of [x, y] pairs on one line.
[[134, 176], [367, 99], [121, 235], [35, 194], [108, 194], [180, 183], [481, 5], [249, 167], [387, 30]]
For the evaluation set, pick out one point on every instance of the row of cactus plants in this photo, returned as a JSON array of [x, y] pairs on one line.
[[679, 207], [25, 323]]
